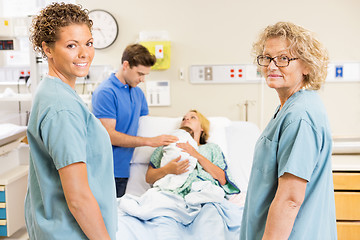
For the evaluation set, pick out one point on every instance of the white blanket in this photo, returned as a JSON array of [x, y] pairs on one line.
[[164, 215], [170, 152]]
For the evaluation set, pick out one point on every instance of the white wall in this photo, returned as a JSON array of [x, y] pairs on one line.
[[222, 32]]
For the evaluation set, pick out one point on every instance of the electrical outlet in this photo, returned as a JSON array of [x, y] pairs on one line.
[[181, 74], [208, 73]]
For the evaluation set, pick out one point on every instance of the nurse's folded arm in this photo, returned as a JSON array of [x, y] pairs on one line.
[[81, 202]]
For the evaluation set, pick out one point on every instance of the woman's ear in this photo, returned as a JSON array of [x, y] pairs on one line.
[[306, 70], [47, 50]]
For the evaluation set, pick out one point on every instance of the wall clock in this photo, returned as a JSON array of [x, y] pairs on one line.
[[105, 28]]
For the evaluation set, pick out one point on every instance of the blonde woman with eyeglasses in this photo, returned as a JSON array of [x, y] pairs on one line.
[[290, 193]]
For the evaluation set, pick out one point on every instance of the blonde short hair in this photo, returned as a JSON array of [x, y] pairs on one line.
[[304, 45], [205, 125]]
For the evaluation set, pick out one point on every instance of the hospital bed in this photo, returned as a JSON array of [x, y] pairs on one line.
[[236, 138]]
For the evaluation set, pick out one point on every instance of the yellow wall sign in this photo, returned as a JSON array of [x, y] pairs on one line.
[[162, 52]]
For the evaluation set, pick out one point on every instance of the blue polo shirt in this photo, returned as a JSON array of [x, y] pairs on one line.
[[115, 100]]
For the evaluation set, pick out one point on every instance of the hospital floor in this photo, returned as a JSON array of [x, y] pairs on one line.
[[19, 235]]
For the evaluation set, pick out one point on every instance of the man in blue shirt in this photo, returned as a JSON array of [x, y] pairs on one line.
[[119, 104]]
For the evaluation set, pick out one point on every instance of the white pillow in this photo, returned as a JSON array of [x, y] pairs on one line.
[[151, 127], [154, 126], [217, 132], [242, 137]]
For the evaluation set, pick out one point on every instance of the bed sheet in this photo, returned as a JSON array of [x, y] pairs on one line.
[[208, 225], [203, 214]]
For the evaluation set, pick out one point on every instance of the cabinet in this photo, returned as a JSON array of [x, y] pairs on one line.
[[13, 185], [13, 180], [346, 175]]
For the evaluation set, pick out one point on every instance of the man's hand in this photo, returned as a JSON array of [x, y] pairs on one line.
[[161, 140]]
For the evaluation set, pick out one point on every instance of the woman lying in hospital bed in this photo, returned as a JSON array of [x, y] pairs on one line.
[[198, 208]]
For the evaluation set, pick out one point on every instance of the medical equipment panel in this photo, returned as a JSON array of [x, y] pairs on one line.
[[7, 44], [249, 73], [234, 73], [158, 93], [343, 72]]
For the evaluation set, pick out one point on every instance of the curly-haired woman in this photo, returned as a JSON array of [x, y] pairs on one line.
[[290, 193], [71, 191]]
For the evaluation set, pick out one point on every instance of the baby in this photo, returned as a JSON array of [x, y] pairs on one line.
[[170, 152]]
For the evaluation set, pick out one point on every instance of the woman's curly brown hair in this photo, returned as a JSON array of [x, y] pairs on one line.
[[45, 26]]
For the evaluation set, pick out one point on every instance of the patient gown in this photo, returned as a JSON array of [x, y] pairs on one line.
[[210, 151]]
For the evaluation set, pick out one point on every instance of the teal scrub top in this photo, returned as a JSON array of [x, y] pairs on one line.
[[297, 140], [62, 131]]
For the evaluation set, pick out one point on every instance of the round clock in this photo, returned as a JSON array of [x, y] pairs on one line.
[[105, 28]]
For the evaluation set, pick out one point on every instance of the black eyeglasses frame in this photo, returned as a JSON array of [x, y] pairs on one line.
[[273, 59]]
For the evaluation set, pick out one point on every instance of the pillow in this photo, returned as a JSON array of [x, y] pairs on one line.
[[242, 137], [151, 127], [217, 132], [154, 126]]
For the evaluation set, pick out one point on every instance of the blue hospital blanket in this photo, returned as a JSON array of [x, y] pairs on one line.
[[203, 214]]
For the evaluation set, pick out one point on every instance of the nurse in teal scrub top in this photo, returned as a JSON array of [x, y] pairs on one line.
[[71, 190], [290, 193]]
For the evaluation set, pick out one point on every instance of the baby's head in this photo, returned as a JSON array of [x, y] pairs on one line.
[[189, 130]]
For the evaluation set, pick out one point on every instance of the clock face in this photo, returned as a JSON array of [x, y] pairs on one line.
[[105, 28]]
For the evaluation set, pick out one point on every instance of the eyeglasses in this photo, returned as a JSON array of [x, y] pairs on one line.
[[280, 61]]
